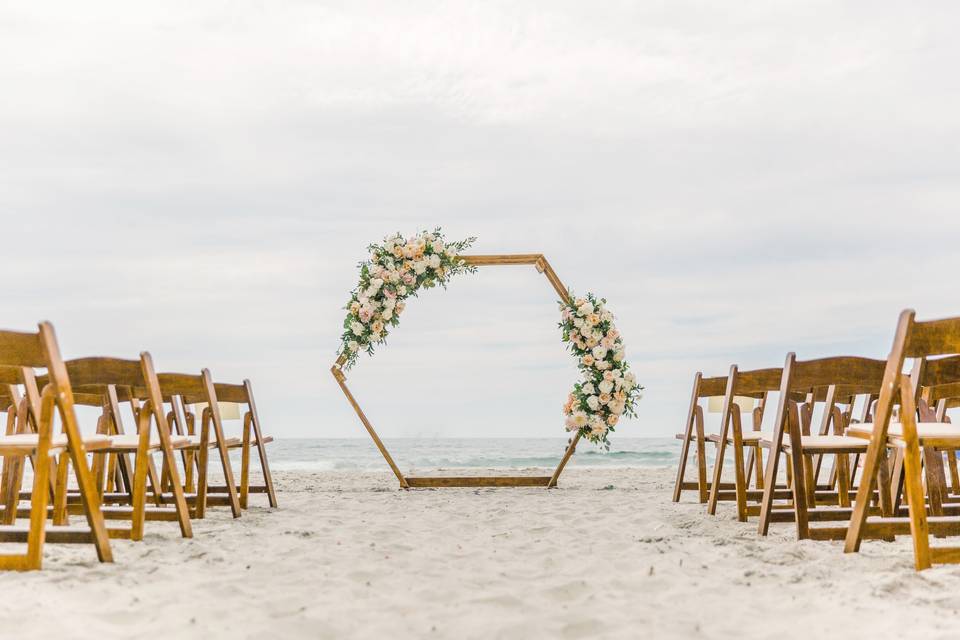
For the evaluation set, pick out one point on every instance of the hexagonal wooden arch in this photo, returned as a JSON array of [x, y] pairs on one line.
[[540, 262]]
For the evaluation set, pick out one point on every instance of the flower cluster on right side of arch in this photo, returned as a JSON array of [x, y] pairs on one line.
[[608, 389]]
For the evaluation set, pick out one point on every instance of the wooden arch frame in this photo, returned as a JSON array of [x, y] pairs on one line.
[[540, 262]]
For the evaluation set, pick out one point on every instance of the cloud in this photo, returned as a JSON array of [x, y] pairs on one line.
[[200, 180]]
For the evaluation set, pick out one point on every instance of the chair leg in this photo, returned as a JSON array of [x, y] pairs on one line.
[[38, 507], [245, 463], [703, 487], [262, 448], [60, 517], [141, 466], [919, 528], [203, 459], [758, 461], [843, 479], [954, 472]]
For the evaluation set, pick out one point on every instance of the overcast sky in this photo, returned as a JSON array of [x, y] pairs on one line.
[[738, 179]]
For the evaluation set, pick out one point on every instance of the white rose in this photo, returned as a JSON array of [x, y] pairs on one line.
[[585, 330], [419, 267], [618, 355], [605, 387], [434, 261], [606, 316], [357, 328], [401, 290], [599, 352], [376, 283], [585, 309], [630, 380], [602, 365], [389, 303], [387, 313], [593, 402], [598, 428], [587, 388], [353, 345]]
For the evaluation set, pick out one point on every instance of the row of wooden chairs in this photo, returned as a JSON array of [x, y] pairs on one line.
[[890, 459], [113, 469]]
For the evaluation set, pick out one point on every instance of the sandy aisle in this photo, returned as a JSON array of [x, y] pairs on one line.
[[608, 555]]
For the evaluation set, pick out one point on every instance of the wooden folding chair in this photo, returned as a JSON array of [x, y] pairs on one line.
[[177, 387], [939, 381], [99, 379], [29, 351], [754, 384], [693, 434], [792, 438], [913, 339], [242, 394]]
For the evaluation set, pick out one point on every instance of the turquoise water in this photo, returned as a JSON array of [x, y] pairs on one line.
[[332, 454]]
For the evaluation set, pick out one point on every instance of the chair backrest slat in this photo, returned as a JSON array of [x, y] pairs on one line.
[[933, 337], [757, 381], [20, 349], [103, 371], [842, 371], [709, 387]]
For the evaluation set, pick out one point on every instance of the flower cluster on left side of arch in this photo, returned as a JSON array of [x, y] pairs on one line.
[[608, 389], [396, 270]]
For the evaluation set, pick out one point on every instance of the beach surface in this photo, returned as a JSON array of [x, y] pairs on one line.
[[607, 555]]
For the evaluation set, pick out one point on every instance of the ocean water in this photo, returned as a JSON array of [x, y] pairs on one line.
[[411, 454]]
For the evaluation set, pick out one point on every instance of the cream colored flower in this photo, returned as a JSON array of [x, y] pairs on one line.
[[593, 402], [357, 328], [598, 428], [605, 387]]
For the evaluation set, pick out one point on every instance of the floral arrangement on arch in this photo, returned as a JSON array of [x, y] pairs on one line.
[[395, 271], [609, 389]]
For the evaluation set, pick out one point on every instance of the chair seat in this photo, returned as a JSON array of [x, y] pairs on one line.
[[749, 437], [131, 441], [193, 442], [934, 433], [830, 444], [269, 439], [26, 443]]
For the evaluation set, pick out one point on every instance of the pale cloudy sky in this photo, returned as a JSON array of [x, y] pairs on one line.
[[738, 179]]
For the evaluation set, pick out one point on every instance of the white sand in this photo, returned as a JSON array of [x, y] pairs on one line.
[[607, 555]]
